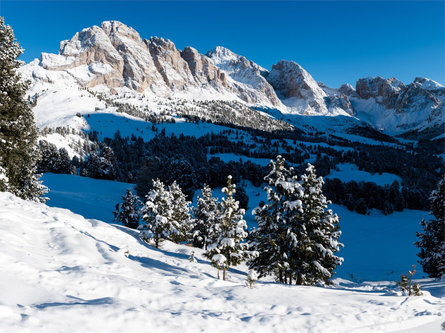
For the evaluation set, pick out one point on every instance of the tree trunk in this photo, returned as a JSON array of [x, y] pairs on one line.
[[224, 273], [299, 280]]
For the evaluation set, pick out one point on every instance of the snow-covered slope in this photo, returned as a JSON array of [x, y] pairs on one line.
[[61, 272], [395, 108]]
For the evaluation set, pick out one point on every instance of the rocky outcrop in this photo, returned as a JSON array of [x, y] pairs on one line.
[[290, 80], [418, 96], [244, 76], [202, 68], [385, 91]]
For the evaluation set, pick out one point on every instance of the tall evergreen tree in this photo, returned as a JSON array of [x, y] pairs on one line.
[[18, 132], [206, 214], [181, 217], [270, 238], [228, 249], [296, 237], [155, 213], [127, 212], [321, 230], [432, 239]]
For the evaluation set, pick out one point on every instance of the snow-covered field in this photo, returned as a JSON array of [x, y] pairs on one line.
[[91, 198], [377, 247], [348, 172], [63, 273]]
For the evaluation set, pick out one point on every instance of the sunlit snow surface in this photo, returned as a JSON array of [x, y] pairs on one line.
[[63, 273]]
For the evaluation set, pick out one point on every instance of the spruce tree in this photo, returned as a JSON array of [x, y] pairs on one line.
[[18, 132], [432, 239], [270, 238], [127, 212], [166, 213], [228, 249], [321, 233], [155, 213], [297, 236], [206, 215], [180, 217]]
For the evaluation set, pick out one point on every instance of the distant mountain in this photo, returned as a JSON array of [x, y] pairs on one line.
[[114, 61]]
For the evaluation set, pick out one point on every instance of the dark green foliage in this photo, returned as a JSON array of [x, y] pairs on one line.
[[206, 212], [297, 236], [127, 212], [432, 240], [242, 197], [18, 133]]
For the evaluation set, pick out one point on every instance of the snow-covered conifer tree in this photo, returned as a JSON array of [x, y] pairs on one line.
[[156, 213], [296, 237], [166, 213], [181, 220], [206, 212], [321, 229], [18, 132], [127, 212], [270, 238], [228, 249], [432, 240]]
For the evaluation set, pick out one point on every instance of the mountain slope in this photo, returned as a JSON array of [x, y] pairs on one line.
[[61, 272], [112, 63]]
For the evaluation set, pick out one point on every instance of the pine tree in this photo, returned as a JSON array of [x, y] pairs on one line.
[[206, 214], [181, 218], [322, 231], [127, 212], [271, 238], [297, 236], [155, 213], [166, 213], [228, 249], [18, 132], [432, 240]]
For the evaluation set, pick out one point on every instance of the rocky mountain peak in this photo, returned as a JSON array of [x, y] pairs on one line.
[[292, 80], [294, 83], [116, 28]]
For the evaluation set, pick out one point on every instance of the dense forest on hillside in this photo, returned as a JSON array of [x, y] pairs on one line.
[[194, 161]]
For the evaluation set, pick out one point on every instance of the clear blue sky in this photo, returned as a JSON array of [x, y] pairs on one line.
[[336, 42]]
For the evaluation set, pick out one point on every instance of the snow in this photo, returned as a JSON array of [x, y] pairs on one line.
[[348, 172], [91, 198], [61, 272], [377, 247]]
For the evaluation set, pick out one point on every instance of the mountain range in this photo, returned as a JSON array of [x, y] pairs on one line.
[[113, 62]]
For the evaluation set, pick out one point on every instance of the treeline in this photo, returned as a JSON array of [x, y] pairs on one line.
[[189, 161], [363, 196]]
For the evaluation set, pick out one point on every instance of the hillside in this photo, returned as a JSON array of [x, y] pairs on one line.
[[59, 269]]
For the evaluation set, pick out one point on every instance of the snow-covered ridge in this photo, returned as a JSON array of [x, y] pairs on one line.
[[115, 60], [57, 265]]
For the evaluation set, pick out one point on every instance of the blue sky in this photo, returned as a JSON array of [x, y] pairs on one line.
[[336, 42]]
